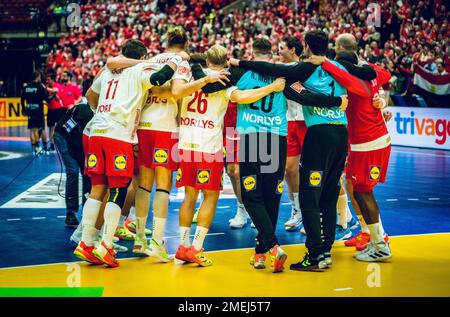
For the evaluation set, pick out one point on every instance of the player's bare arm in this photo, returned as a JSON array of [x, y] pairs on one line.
[[252, 95], [92, 98], [182, 89]]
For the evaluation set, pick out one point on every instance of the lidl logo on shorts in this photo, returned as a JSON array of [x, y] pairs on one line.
[[92, 161], [374, 173], [249, 182], [161, 156], [203, 176], [221, 180], [280, 187], [315, 178], [179, 174], [120, 162]]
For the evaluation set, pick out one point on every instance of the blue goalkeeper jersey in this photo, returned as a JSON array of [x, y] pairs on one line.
[[322, 82], [265, 115]]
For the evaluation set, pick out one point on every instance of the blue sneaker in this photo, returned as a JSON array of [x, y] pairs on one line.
[[342, 234], [352, 224]]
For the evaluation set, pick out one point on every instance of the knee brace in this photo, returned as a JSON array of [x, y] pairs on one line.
[[117, 195]]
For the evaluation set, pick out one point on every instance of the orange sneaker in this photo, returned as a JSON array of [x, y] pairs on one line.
[[180, 256], [277, 258], [361, 237], [197, 256], [106, 255], [258, 261], [363, 244], [84, 253]]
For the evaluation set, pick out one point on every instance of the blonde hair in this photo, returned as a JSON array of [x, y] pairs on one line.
[[216, 55]]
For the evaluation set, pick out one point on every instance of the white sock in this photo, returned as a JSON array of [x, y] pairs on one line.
[[141, 222], [383, 233], [241, 206], [342, 205], [199, 237], [376, 235], [363, 224], [184, 236], [122, 221], [158, 229], [132, 214], [349, 214], [142, 202], [112, 216], [91, 210], [296, 201]]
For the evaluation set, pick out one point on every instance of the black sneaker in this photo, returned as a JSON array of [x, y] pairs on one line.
[[52, 147], [71, 220], [310, 264]]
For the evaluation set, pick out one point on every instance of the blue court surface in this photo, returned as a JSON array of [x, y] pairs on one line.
[[415, 200]]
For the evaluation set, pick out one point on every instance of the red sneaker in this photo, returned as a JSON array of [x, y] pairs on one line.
[[361, 237], [106, 255], [84, 253], [197, 256], [181, 254]]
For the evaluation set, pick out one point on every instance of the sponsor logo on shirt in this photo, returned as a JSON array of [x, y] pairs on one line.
[[92, 161], [249, 182], [155, 99], [315, 178], [268, 121], [104, 108], [280, 187], [374, 173], [100, 131], [161, 156], [179, 175], [199, 123], [120, 162], [203, 176]]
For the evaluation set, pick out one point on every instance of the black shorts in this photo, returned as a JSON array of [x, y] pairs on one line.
[[36, 122], [53, 116]]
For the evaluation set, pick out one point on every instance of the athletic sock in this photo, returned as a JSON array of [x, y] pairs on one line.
[[91, 210], [349, 214], [142, 201], [184, 236], [376, 235], [383, 233], [296, 201], [159, 225], [342, 205], [363, 224], [132, 215], [112, 216], [199, 237], [122, 221]]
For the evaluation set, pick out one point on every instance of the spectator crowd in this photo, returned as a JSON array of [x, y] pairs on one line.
[[410, 32]]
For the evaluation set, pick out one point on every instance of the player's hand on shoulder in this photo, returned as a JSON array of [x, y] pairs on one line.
[[220, 77], [344, 102], [279, 84]]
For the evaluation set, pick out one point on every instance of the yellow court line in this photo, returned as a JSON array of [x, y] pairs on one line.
[[420, 267]]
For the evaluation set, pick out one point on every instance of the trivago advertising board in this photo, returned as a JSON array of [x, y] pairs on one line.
[[420, 127]]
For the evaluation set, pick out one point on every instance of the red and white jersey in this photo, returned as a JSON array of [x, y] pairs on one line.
[[201, 120], [159, 112], [295, 111], [121, 96], [87, 128]]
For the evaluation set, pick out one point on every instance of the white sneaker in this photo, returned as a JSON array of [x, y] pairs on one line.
[[141, 247], [295, 221], [240, 219], [160, 252], [375, 252], [252, 225]]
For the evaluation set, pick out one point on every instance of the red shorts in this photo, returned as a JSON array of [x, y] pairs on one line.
[[367, 169], [230, 135], [110, 161], [230, 151], [202, 171], [85, 140], [158, 148], [296, 135]]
